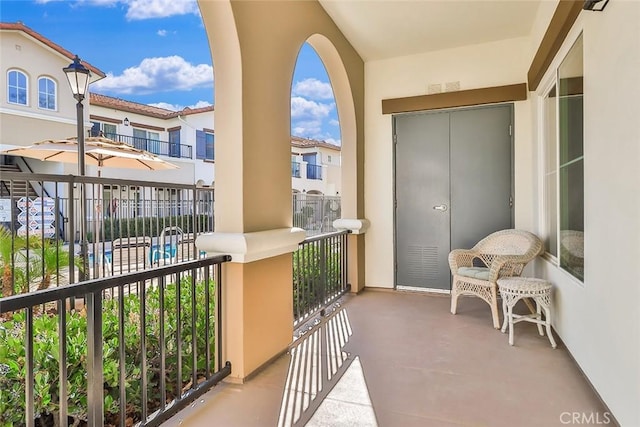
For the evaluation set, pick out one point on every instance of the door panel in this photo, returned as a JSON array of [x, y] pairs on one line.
[[480, 174], [453, 183], [422, 182]]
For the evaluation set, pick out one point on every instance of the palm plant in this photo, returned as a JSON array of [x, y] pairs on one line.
[[10, 251], [52, 258]]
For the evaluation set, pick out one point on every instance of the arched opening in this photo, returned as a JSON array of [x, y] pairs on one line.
[[315, 142]]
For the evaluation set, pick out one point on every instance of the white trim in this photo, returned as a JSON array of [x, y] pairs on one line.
[[249, 247], [427, 290], [357, 226], [38, 116]]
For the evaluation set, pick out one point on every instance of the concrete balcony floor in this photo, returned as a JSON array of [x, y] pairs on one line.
[[407, 362]]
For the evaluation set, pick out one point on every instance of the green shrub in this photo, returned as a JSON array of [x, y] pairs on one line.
[[46, 354], [114, 228], [316, 274]]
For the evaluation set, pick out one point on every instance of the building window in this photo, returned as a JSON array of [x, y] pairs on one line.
[[205, 142], [107, 130], [174, 143], [46, 93], [17, 87], [564, 164]]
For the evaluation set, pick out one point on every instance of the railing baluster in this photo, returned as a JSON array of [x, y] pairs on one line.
[[163, 379], [62, 361], [122, 372], [95, 374], [30, 413], [143, 347], [194, 332]]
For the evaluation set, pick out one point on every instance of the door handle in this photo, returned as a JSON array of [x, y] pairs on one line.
[[441, 208]]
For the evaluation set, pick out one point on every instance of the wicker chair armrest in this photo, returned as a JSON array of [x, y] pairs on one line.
[[461, 258], [507, 266]]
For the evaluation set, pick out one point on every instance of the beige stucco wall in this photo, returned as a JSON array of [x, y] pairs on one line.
[[599, 320], [23, 125], [485, 65]]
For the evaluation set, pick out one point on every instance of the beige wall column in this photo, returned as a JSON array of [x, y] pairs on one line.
[[254, 47]]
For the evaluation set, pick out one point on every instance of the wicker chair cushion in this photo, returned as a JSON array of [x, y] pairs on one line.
[[481, 273]]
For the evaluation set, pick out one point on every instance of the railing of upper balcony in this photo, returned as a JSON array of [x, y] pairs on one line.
[[130, 226], [315, 213], [137, 349], [155, 146], [295, 169], [314, 171], [319, 274]]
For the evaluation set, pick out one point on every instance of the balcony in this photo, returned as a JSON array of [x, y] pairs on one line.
[[408, 362], [155, 146]]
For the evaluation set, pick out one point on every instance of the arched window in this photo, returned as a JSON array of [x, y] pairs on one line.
[[17, 87], [46, 93]]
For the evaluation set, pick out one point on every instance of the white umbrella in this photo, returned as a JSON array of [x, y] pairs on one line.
[[99, 151]]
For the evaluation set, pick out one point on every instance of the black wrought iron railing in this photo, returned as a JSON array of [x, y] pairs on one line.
[[130, 348], [129, 226], [319, 274], [314, 171], [155, 146]]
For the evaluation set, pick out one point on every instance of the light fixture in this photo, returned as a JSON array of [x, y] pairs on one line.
[[595, 5], [78, 76], [126, 121]]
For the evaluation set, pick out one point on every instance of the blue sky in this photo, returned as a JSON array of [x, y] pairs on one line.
[[156, 52]]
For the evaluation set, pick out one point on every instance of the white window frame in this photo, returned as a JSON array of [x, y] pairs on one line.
[[550, 80], [26, 88], [55, 93]]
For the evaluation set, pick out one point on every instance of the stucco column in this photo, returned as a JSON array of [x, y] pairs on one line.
[[255, 45]]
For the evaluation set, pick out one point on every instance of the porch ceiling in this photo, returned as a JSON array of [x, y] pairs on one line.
[[386, 29]]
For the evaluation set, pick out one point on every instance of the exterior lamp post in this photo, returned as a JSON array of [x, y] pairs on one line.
[[78, 76]]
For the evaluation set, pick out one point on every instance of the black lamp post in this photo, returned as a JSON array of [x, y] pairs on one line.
[[78, 76]]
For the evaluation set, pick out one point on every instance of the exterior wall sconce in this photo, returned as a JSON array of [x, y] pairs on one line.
[[595, 5], [126, 121]]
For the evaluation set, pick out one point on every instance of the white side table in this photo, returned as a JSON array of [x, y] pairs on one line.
[[514, 289]]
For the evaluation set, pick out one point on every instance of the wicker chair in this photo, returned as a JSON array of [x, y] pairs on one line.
[[501, 254]]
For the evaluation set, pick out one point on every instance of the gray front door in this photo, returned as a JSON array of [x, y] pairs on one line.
[[453, 186]]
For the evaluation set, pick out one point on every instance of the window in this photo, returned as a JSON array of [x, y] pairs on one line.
[[154, 142], [46, 93], [140, 139], [564, 164], [17, 87], [205, 142], [108, 130], [174, 142]]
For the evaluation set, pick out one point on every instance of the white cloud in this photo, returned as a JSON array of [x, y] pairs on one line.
[[158, 75], [333, 141], [334, 122], [162, 33], [301, 107], [178, 107], [147, 9], [307, 128], [313, 88]]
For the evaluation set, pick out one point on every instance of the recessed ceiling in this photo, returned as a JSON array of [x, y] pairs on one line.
[[386, 29]]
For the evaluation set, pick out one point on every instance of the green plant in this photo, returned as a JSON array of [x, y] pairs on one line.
[[316, 273], [46, 354]]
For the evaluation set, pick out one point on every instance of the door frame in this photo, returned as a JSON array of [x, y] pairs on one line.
[[394, 195]]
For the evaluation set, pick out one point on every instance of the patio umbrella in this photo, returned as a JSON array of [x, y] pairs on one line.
[[99, 151]]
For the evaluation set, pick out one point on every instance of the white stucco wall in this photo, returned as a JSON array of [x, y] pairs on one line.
[[484, 65], [599, 320]]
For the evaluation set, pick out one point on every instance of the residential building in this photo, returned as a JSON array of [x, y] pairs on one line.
[[38, 106]]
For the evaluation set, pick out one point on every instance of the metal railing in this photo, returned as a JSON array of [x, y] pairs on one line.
[[319, 274], [155, 146], [315, 213], [314, 171], [130, 226], [138, 349], [295, 169]]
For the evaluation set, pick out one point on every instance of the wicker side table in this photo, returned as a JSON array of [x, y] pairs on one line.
[[514, 289]]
